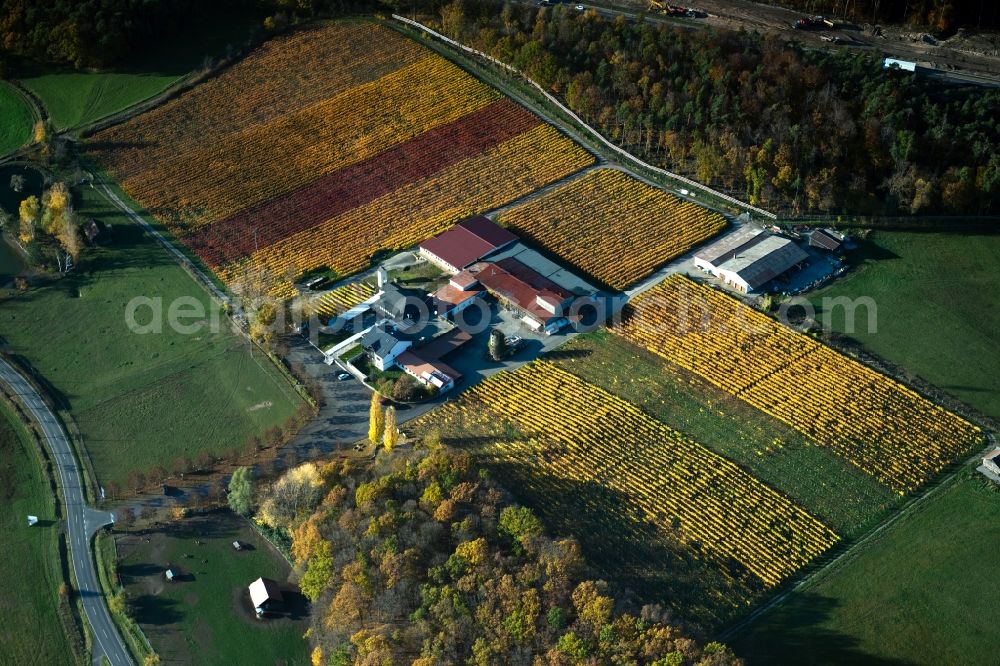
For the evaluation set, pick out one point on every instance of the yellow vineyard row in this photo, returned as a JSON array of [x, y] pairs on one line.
[[342, 298], [613, 226], [871, 420], [591, 436]]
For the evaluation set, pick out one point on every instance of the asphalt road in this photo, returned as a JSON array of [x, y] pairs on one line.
[[81, 521]]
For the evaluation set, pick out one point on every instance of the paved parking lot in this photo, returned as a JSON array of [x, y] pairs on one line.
[[343, 419]]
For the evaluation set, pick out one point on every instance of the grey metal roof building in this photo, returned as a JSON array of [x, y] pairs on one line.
[[545, 267], [749, 258], [825, 239], [399, 303]]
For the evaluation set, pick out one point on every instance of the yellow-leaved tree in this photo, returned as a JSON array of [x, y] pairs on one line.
[[375, 419], [29, 210], [290, 499], [56, 207], [390, 437], [40, 133]]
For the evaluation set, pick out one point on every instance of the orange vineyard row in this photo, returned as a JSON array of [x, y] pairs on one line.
[[407, 216], [282, 76], [273, 159], [375, 144]]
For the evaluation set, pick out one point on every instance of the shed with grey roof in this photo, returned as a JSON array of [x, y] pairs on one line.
[[748, 259]]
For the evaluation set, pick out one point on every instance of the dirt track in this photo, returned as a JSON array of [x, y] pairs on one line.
[[976, 54]]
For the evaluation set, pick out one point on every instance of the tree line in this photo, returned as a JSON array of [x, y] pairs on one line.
[[101, 33], [786, 127], [942, 15], [416, 556], [98, 33]]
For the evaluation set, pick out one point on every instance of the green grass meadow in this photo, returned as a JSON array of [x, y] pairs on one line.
[[31, 623], [837, 492], [15, 129], [924, 592], [75, 98], [141, 400], [205, 617], [937, 314]]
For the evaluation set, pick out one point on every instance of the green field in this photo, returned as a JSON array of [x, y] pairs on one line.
[[141, 400], [206, 616], [923, 593], [75, 98], [837, 492], [937, 317], [31, 613], [15, 130]]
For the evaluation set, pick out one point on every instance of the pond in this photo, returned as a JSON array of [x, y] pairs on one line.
[[11, 262], [33, 182]]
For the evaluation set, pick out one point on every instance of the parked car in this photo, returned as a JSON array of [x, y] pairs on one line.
[[580, 8], [515, 342], [343, 376]]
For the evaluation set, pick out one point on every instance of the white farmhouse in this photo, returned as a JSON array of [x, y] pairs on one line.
[[384, 345]]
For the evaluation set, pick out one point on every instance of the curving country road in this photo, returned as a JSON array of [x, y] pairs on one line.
[[81, 520]]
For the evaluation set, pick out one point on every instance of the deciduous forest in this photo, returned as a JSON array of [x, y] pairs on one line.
[[420, 557], [788, 128]]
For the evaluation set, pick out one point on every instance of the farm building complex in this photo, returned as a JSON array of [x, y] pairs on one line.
[[749, 259], [484, 257], [415, 330], [542, 304]]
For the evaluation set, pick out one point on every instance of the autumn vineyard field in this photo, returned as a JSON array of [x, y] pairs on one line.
[[614, 227], [874, 422], [342, 298], [320, 150], [589, 457], [328, 146], [591, 434]]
